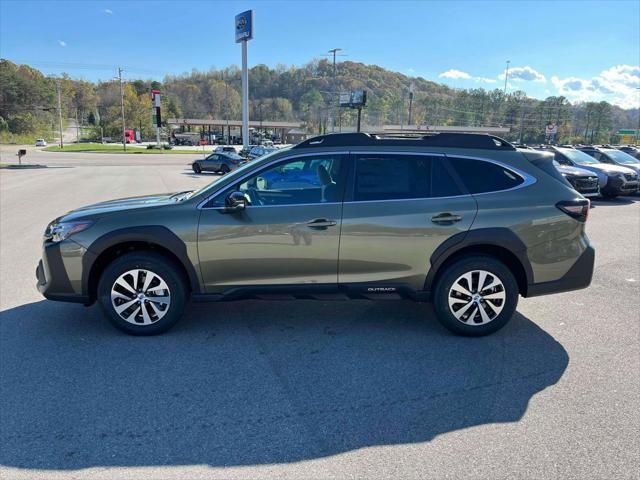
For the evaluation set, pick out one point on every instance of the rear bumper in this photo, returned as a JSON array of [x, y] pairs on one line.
[[579, 276], [52, 279]]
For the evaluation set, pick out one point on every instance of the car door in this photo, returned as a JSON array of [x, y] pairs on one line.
[[211, 163], [287, 235], [399, 208]]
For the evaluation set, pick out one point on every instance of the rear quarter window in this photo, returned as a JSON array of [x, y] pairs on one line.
[[480, 176]]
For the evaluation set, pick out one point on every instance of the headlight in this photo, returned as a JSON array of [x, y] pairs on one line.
[[56, 232], [563, 174]]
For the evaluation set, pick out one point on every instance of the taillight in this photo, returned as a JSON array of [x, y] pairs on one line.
[[578, 209]]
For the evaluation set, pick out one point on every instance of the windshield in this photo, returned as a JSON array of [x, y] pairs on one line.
[[238, 172], [620, 157], [578, 156]]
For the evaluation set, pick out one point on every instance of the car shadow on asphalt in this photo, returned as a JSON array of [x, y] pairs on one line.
[[615, 201], [254, 382]]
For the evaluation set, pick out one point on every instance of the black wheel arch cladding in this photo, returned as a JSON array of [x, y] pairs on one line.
[[153, 235], [498, 237]]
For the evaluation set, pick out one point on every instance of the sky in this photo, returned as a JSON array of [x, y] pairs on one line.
[[584, 50]]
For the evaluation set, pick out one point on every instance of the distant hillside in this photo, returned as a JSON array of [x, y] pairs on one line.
[[28, 101]]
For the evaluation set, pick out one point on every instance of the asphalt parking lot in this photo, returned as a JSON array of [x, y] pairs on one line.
[[308, 389]]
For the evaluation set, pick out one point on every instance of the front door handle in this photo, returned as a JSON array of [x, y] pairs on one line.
[[446, 218], [321, 223]]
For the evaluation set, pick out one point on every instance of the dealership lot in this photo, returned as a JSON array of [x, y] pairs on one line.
[[308, 389]]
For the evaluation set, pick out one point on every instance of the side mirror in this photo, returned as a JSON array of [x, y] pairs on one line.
[[235, 202]]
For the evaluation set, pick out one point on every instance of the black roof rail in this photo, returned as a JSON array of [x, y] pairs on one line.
[[456, 140]]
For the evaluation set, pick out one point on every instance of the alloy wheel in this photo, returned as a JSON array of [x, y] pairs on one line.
[[140, 297], [477, 297]]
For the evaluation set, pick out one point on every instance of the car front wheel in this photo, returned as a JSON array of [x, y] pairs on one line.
[[475, 296], [142, 293], [196, 168]]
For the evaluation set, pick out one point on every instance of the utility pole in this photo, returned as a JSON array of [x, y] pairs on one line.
[[411, 87], [60, 111], [77, 127], [124, 127], [333, 52], [524, 107], [506, 77]]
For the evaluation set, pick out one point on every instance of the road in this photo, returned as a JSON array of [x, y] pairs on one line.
[[308, 389]]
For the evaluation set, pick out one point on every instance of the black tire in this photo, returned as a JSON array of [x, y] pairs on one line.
[[197, 168], [455, 271], [159, 265], [224, 169]]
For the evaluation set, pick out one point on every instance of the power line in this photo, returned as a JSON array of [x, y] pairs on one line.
[[86, 66]]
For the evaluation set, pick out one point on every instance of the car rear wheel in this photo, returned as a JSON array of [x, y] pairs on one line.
[[197, 168], [142, 293], [224, 169], [475, 296]]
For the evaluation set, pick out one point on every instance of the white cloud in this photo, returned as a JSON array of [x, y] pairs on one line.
[[460, 75], [618, 85], [485, 79], [107, 11], [455, 74], [62, 43], [524, 74]]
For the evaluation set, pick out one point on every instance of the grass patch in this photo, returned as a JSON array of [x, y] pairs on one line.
[[111, 148]]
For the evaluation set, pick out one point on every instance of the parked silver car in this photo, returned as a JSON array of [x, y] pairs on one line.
[[614, 180], [612, 156], [259, 151]]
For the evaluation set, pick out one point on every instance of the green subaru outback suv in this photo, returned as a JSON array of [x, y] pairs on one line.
[[464, 221]]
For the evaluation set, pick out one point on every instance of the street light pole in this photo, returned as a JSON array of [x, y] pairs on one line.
[[124, 136], [60, 111], [506, 76]]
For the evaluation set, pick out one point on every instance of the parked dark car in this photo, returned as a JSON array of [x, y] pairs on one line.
[[583, 181], [218, 162], [631, 150], [614, 180]]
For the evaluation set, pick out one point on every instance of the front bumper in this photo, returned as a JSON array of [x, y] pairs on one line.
[[617, 186], [579, 276], [51, 273]]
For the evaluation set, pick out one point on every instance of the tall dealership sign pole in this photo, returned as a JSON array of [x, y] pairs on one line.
[[157, 119], [244, 33]]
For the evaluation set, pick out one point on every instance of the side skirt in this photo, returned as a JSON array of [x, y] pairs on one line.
[[362, 291]]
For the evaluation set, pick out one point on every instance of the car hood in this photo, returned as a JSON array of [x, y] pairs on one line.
[[608, 168], [574, 171], [120, 205]]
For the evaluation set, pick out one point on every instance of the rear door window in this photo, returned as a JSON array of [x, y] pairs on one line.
[[397, 177], [481, 176], [391, 177]]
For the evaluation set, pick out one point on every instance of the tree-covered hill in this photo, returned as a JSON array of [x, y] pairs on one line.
[[28, 102]]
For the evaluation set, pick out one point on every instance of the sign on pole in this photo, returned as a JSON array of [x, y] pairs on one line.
[[550, 132], [244, 33], [244, 26]]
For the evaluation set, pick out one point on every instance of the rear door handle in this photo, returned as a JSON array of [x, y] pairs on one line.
[[446, 218], [321, 223]]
